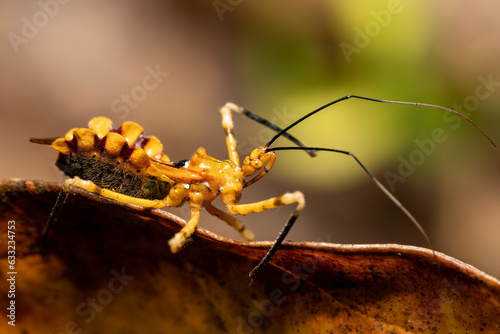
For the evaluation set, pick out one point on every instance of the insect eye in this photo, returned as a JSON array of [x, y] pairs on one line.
[[256, 164], [117, 162], [94, 155], [138, 171]]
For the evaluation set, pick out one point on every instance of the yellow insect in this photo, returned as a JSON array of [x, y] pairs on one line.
[[124, 165]]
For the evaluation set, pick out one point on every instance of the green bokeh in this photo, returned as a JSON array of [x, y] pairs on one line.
[[303, 66]]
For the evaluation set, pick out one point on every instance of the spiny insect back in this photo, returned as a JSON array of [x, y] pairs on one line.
[[116, 159]]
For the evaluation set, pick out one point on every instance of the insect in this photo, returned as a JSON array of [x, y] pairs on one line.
[[124, 165]]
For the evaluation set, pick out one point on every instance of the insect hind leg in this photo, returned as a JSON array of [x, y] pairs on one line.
[[93, 188], [56, 209]]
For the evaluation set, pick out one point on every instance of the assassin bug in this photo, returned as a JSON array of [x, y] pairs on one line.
[[124, 165]]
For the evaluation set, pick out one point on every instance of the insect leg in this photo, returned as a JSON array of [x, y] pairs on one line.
[[272, 203], [265, 122], [180, 238], [231, 221], [56, 209], [228, 125], [93, 188]]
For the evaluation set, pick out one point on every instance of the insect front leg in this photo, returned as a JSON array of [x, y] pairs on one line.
[[228, 125], [271, 203]]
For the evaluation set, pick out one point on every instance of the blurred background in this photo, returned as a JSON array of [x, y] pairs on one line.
[[170, 65]]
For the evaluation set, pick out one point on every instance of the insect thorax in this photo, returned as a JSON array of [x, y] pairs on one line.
[[113, 177]]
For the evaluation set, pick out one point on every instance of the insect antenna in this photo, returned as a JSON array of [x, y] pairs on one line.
[[284, 131], [311, 150]]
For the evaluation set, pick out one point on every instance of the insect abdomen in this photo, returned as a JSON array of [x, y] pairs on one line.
[[113, 177]]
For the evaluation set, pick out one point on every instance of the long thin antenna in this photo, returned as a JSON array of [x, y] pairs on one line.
[[374, 179], [285, 130]]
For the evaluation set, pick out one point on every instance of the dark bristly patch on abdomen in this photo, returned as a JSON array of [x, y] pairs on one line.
[[112, 177]]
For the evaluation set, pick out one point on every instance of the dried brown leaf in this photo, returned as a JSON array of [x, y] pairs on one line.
[[107, 268]]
